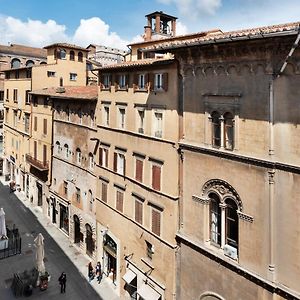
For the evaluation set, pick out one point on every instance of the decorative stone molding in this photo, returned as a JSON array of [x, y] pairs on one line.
[[202, 200], [222, 188], [245, 217], [271, 175]]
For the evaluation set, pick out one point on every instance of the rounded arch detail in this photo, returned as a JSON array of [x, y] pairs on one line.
[[223, 189]]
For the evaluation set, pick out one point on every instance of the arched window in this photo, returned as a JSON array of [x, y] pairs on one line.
[[72, 55], [58, 149], [228, 131], [66, 149], [15, 63], [29, 63], [91, 160], [78, 156], [80, 56], [90, 200], [225, 208], [90, 245], [215, 219], [62, 53], [232, 223], [216, 129]]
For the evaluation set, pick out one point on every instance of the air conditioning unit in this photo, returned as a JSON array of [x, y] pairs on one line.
[[230, 251]]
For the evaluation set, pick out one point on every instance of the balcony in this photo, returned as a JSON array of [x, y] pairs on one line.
[[40, 165]]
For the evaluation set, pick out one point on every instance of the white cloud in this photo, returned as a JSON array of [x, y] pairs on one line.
[[38, 34], [181, 28], [30, 32], [95, 31], [194, 8]]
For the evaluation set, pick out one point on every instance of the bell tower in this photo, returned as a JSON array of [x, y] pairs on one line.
[[159, 26]]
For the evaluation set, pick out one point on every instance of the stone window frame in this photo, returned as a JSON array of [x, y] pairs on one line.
[[224, 191], [222, 104]]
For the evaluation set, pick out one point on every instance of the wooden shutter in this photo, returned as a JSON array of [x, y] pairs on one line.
[[104, 192], [156, 174], [115, 161], [35, 149], [119, 202], [44, 154], [45, 126], [139, 170], [138, 211], [156, 221], [165, 81], [135, 84], [100, 156], [106, 157], [35, 123], [127, 81], [151, 82], [101, 80], [124, 167]]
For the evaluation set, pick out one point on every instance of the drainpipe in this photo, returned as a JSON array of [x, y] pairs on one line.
[[272, 173]]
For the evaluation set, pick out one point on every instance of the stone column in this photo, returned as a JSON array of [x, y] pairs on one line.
[[271, 174], [223, 224], [222, 132]]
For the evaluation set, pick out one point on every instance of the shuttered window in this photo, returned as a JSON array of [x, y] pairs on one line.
[[44, 154], [35, 123], [156, 221], [45, 127], [139, 170], [156, 177], [104, 191], [103, 157], [119, 201], [138, 211], [35, 149]]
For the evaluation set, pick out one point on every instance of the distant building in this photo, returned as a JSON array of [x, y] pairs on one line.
[[16, 56]]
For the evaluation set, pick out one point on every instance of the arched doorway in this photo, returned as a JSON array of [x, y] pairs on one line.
[[110, 257], [89, 240], [76, 229]]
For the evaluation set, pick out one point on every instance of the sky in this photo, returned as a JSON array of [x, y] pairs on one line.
[[117, 23]]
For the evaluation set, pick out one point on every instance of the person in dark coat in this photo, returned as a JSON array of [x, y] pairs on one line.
[[62, 281], [98, 272], [90, 272]]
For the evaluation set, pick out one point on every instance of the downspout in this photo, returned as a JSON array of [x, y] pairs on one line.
[[271, 172]]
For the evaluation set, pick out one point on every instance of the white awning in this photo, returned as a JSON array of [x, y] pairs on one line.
[[148, 293], [129, 276]]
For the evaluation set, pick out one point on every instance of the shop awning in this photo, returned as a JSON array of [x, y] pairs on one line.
[[148, 293], [129, 276]]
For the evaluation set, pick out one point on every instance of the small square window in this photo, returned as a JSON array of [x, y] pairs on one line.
[[73, 76]]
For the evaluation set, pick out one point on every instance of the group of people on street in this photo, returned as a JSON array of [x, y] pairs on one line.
[[94, 272], [91, 275]]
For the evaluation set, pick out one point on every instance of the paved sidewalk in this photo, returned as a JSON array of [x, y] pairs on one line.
[[106, 289]]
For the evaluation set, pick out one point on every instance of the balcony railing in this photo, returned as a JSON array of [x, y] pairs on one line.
[[40, 165]]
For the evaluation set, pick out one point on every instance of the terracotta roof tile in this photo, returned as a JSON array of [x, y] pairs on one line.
[[66, 45], [137, 63], [219, 36], [22, 50], [70, 92]]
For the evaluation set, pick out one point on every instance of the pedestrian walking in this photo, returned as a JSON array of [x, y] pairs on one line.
[[62, 281], [90, 272], [98, 272]]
